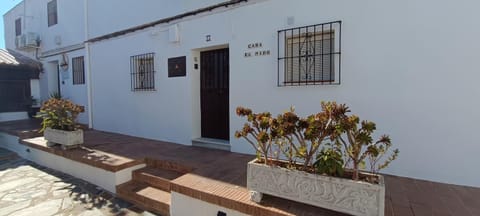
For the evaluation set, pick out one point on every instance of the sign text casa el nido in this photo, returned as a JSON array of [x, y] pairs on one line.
[[255, 49]]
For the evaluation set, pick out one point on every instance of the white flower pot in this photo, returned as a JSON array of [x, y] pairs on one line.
[[338, 194], [66, 138]]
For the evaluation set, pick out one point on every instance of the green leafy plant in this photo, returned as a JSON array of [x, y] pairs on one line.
[[59, 114], [330, 162]]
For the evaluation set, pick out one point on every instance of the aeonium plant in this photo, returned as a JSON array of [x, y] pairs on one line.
[[328, 142], [305, 136], [260, 131], [359, 145], [60, 114]]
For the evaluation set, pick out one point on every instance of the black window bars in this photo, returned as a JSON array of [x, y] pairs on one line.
[[78, 70], [310, 55], [142, 69]]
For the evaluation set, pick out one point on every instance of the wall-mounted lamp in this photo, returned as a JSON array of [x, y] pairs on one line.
[[64, 62]]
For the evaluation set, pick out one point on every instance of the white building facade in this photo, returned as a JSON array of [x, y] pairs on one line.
[[402, 64], [52, 32]]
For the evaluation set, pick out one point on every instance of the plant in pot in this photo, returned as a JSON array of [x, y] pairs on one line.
[[317, 159], [59, 123]]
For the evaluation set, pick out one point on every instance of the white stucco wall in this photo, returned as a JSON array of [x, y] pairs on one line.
[[49, 82], [13, 116], [35, 89], [401, 67], [70, 26], [128, 14], [196, 207], [102, 178]]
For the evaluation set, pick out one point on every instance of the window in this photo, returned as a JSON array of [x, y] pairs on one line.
[[52, 13], [78, 70], [309, 55], [18, 27], [142, 72]]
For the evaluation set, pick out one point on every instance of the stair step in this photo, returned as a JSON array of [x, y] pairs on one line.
[[7, 155], [167, 165], [212, 143], [158, 178], [145, 197]]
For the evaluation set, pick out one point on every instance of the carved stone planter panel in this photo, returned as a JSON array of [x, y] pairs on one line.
[[67, 138], [338, 194]]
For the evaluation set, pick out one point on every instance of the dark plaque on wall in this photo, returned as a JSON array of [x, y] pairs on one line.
[[177, 66]]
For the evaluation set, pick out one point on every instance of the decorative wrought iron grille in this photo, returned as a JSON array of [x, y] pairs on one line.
[[78, 70], [310, 55], [142, 72]]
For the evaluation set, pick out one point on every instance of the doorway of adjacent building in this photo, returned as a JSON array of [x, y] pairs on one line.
[[51, 80], [214, 94]]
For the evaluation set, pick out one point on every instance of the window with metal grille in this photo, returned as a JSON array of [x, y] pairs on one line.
[[310, 55], [18, 27], [52, 13], [78, 70], [142, 72]]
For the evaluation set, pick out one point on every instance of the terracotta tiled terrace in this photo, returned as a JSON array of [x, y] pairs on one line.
[[219, 177]]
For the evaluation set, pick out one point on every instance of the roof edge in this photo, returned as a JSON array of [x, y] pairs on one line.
[[164, 20]]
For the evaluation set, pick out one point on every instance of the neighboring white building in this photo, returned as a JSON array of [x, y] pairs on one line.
[[410, 66], [52, 32]]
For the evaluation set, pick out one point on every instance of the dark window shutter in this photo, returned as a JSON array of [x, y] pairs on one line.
[[52, 13], [18, 27]]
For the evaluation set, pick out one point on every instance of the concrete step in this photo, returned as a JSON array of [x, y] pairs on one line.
[[212, 143], [7, 155], [146, 197], [158, 178], [167, 165]]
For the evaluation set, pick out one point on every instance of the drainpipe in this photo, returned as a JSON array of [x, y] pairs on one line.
[[87, 68], [24, 19]]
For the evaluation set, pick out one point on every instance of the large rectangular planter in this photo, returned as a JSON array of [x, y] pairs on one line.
[[67, 138], [338, 194]]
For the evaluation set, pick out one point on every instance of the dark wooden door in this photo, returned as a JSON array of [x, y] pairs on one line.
[[214, 93]]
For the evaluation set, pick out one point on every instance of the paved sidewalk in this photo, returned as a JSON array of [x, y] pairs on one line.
[[29, 189]]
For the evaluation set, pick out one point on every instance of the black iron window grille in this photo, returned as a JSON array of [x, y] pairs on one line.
[[52, 13], [142, 72], [310, 55], [78, 70]]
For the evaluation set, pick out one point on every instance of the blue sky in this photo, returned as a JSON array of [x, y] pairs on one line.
[[5, 5]]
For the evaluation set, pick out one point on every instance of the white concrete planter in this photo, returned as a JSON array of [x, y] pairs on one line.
[[65, 138], [338, 194]]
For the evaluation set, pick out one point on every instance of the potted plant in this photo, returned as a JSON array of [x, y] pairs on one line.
[[317, 159], [59, 125]]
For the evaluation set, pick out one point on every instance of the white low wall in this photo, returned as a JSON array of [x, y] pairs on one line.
[[102, 178], [185, 205], [13, 116]]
